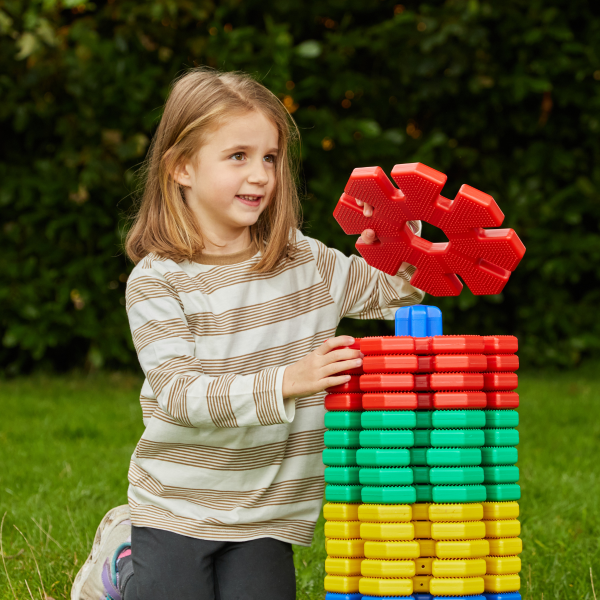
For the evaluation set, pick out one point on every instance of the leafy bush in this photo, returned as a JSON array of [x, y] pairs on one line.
[[504, 96]]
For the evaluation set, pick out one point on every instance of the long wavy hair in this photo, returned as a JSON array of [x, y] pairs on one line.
[[199, 101]]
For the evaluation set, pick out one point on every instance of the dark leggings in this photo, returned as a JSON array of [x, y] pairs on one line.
[[169, 566]]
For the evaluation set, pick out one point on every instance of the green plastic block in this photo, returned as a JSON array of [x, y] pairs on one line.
[[340, 457], [453, 457], [494, 455], [418, 456], [383, 457], [421, 474], [501, 418], [342, 438], [342, 493], [423, 493], [503, 492], [424, 419], [342, 419], [457, 438], [506, 474], [342, 475], [455, 475], [389, 419], [501, 437], [422, 438], [458, 419], [386, 476], [389, 495], [387, 438], [459, 493]]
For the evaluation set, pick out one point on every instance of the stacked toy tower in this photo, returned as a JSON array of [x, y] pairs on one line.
[[343, 543]]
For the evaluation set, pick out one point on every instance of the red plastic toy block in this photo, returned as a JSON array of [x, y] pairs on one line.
[[355, 371], [391, 401], [502, 399], [387, 383], [500, 344], [387, 345], [461, 344], [449, 400], [459, 362], [346, 388], [343, 402], [502, 362], [447, 381], [484, 258], [500, 381], [441, 344], [410, 363]]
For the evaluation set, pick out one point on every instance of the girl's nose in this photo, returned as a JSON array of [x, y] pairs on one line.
[[258, 174]]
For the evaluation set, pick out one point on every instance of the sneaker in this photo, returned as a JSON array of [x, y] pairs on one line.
[[97, 579]]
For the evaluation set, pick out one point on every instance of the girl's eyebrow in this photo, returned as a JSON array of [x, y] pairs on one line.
[[247, 147]]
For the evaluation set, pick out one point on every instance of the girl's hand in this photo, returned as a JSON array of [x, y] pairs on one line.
[[368, 236], [317, 370]]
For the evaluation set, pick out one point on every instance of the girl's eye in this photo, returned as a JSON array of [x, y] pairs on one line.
[[270, 158], [237, 156]]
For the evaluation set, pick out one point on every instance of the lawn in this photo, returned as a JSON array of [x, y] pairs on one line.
[[65, 444]]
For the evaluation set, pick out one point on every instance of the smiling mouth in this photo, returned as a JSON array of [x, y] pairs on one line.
[[251, 200]]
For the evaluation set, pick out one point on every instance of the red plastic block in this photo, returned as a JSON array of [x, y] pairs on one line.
[[355, 371], [387, 345], [502, 362], [399, 363], [345, 388], [387, 383], [463, 344], [425, 401], [500, 381], [500, 344], [343, 402], [449, 400], [483, 258], [502, 399], [391, 401], [459, 362], [448, 381]]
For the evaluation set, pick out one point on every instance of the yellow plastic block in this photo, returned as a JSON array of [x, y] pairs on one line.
[[422, 529], [462, 549], [469, 530], [371, 567], [505, 546], [391, 550], [502, 529], [342, 529], [496, 584], [421, 583], [343, 566], [460, 567], [339, 511], [345, 548], [387, 531], [371, 586], [503, 565], [423, 566], [455, 512], [384, 513], [456, 586], [341, 585], [500, 510], [426, 548], [420, 511]]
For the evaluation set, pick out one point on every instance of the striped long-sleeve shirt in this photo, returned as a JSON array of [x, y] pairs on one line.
[[223, 455]]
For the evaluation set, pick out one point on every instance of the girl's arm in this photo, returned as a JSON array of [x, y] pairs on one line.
[[166, 351]]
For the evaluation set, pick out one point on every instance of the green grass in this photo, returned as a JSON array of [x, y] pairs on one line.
[[65, 444]]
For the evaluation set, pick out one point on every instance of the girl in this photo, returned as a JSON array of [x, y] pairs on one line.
[[233, 314]]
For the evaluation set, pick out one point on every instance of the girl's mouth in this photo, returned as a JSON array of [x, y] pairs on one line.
[[249, 200]]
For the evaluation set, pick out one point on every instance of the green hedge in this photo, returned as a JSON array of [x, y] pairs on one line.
[[504, 96]]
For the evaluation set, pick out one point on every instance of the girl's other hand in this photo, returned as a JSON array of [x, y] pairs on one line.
[[368, 236], [317, 370]]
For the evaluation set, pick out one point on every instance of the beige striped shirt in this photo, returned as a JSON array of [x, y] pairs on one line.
[[223, 455]]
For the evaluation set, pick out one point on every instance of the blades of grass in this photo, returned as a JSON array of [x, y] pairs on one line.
[[34, 559], [47, 533], [592, 580], [4, 561]]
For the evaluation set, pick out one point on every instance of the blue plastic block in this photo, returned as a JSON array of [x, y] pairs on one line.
[[336, 596], [502, 596], [471, 597], [413, 597], [419, 321], [423, 596]]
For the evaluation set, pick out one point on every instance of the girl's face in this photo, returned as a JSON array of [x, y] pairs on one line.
[[231, 179]]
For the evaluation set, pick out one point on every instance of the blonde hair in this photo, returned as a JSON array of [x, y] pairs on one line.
[[198, 102]]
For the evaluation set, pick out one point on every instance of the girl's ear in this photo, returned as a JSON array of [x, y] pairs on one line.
[[182, 174]]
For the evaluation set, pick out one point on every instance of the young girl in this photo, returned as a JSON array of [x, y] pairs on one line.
[[233, 314]]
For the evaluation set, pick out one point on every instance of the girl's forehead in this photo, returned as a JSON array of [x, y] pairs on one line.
[[252, 128]]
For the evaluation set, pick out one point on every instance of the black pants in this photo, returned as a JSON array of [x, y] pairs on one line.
[[168, 566]]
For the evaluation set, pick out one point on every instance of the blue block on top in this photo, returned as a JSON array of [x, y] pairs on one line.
[[503, 596], [419, 321], [423, 596], [336, 596]]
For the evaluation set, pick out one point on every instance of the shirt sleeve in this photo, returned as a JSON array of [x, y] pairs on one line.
[[361, 291], [166, 350]]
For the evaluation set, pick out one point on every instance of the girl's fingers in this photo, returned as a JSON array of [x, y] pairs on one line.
[[336, 342], [345, 354], [343, 365], [367, 210], [359, 202], [368, 236], [331, 381]]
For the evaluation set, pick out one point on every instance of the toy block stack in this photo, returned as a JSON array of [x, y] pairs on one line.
[[343, 543]]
